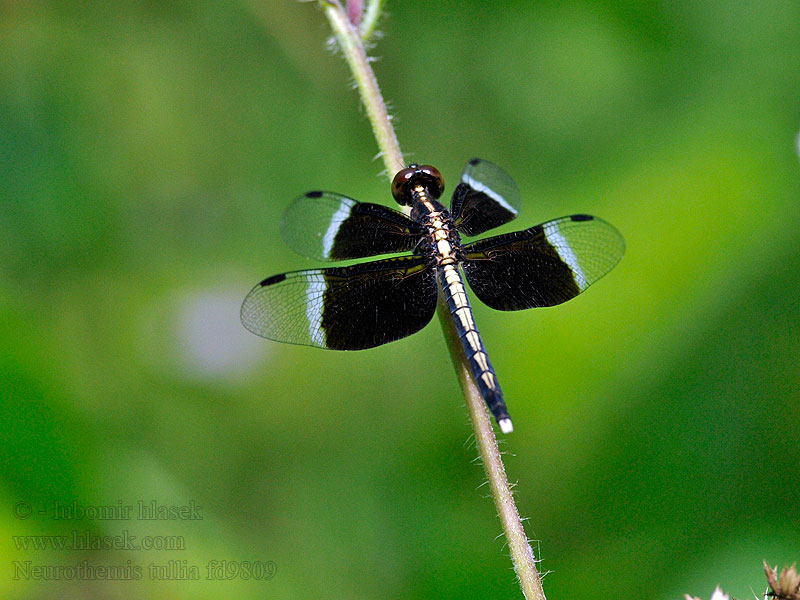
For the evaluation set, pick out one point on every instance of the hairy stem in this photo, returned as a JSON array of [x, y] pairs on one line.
[[519, 548], [350, 41]]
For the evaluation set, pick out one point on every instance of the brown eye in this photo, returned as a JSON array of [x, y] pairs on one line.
[[414, 175]]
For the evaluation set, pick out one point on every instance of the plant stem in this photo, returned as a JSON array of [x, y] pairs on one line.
[[519, 548], [350, 41], [371, 13]]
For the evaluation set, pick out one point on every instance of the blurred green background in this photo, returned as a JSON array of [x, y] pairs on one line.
[[147, 151]]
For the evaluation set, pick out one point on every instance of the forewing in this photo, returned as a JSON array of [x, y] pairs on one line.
[[485, 198], [329, 226], [344, 308], [542, 266]]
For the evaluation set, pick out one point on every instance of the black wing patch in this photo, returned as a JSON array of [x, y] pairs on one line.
[[542, 266], [344, 308], [329, 226], [486, 197]]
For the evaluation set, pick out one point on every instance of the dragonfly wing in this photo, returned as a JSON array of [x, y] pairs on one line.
[[542, 266], [344, 308]]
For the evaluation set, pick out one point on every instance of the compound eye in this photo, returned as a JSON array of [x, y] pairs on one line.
[[432, 180], [417, 175], [401, 190]]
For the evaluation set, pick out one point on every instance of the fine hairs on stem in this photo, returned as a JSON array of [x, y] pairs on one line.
[[352, 25]]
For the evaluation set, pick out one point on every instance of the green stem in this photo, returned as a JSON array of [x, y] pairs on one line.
[[350, 41], [371, 13], [519, 548]]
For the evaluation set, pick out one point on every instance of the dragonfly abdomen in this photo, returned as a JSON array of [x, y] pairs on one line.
[[482, 371]]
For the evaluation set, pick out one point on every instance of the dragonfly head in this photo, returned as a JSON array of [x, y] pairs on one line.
[[417, 175]]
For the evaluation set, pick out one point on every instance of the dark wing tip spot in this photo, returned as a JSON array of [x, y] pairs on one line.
[[581, 218], [474, 161], [314, 194], [273, 279]]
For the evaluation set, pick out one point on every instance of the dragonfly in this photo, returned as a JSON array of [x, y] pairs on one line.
[[371, 303]]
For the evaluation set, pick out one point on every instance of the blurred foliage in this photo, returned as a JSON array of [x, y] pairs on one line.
[[147, 150]]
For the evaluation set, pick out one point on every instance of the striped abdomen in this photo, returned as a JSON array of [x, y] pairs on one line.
[[482, 371]]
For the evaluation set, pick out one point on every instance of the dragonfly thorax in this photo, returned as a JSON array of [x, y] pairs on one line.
[[441, 242]]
